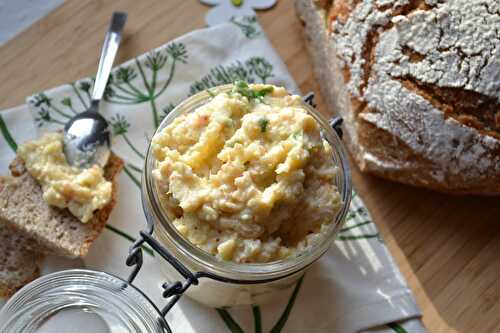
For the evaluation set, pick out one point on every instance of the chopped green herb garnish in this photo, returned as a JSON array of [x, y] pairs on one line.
[[211, 93], [241, 85], [263, 92], [297, 134], [263, 124], [244, 89]]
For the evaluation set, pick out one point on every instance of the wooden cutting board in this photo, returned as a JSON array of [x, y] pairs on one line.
[[447, 247]]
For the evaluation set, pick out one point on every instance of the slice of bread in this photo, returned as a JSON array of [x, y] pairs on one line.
[[18, 265], [51, 230]]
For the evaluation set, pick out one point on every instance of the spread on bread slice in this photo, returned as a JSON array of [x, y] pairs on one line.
[[52, 230]]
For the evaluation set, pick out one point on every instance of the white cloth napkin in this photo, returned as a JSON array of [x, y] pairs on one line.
[[354, 287]]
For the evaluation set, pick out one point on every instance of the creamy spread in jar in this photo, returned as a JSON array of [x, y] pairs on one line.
[[82, 191], [247, 175]]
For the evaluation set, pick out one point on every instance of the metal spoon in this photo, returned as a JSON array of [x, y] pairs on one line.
[[87, 136]]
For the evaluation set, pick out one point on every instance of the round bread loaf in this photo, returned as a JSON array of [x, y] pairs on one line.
[[418, 83]]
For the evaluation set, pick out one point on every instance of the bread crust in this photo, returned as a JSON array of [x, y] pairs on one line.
[[448, 138]]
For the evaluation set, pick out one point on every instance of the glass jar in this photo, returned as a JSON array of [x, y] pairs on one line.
[[84, 299], [236, 283]]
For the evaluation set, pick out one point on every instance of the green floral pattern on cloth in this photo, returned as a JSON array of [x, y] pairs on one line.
[[131, 84], [141, 92], [253, 70], [358, 223], [397, 328], [248, 25], [6, 135]]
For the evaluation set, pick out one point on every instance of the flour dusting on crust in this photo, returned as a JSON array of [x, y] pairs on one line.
[[407, 61]]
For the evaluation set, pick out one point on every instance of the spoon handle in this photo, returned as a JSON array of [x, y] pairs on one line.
[[108, 53]]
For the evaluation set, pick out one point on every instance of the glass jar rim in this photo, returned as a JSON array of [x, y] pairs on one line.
[[246, 271], [79, 282]]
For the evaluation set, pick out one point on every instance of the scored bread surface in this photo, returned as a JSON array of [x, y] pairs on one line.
[[50, 229], [418, 83]]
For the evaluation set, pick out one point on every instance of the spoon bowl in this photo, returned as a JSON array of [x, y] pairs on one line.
[[87, 139]]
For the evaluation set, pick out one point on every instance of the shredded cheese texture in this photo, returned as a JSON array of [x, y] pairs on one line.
[[82, 191], [247, 179]]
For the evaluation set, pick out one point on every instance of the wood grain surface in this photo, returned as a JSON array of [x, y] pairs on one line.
[[447, 247]]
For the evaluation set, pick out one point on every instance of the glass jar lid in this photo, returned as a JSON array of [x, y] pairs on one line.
[[77, 300]]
